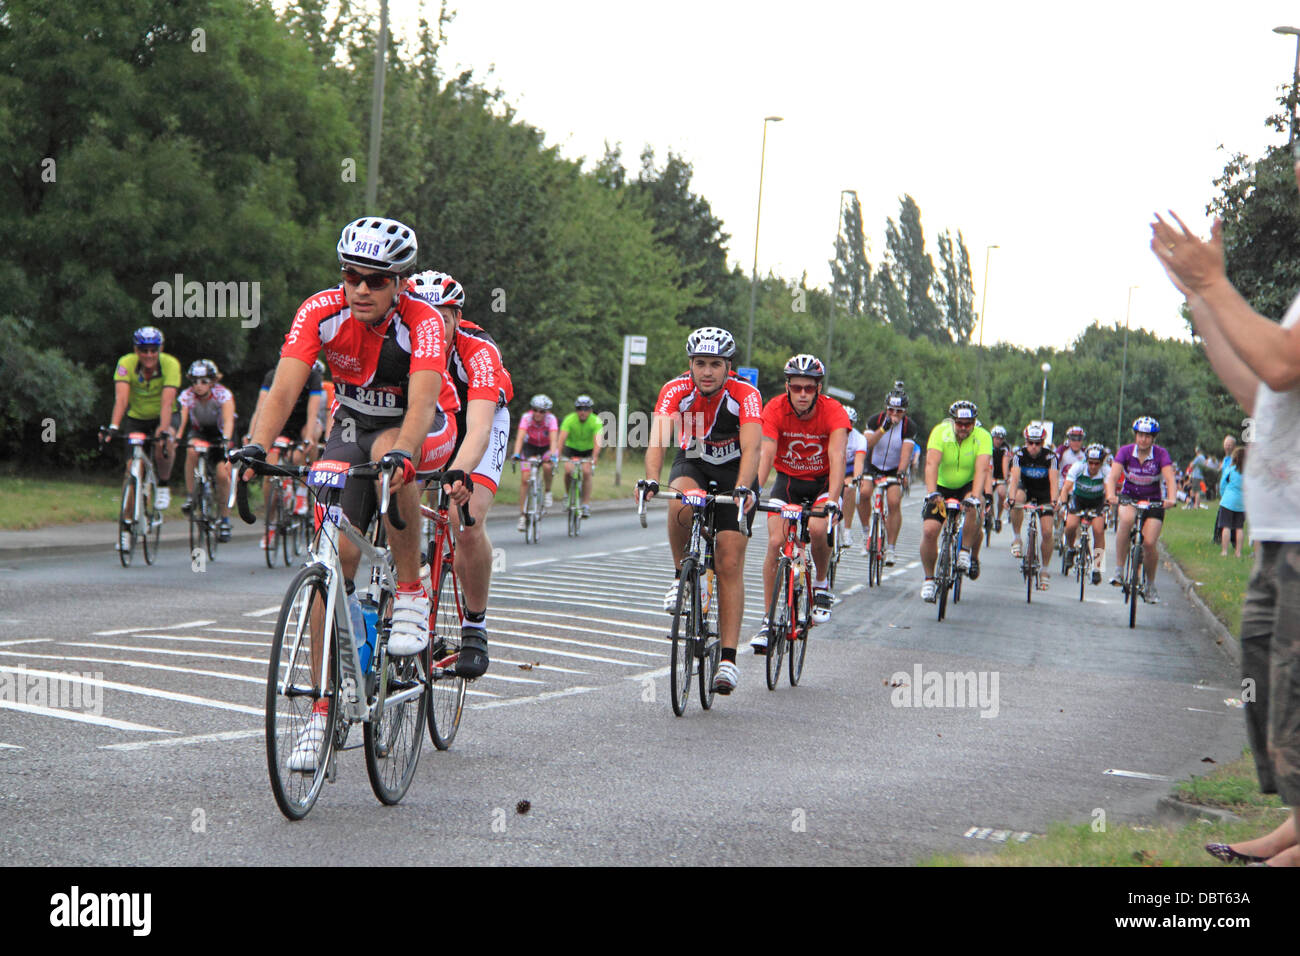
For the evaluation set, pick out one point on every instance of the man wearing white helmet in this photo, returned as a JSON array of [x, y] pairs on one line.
[[1034, 480], [718, 419], [386, 350]]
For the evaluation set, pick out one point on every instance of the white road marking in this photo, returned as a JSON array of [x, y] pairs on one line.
[[137, 689], [1217, 713], [853, 590], [586, 630], [1136, 775], [152, 627], [10, 747], [569, 640], [163, 650], [912, 565], [28, 640], [549, 650], [142, 664], [179, 741], [241, 630], [170, 637], [530, 564], [549, 695], [80, 717], [263, 612], [652, 675]]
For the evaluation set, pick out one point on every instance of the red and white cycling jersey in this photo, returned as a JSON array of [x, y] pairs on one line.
[[372, 365], [710, 425], [803, 444], [475, 368]]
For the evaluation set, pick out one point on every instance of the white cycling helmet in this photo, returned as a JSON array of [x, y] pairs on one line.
[[541, 403], [1147, 425], [378, 244], [711, 340], [438, 288], [1034, 433]]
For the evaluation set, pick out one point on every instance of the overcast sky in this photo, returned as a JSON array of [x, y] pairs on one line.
[[1052, 130]]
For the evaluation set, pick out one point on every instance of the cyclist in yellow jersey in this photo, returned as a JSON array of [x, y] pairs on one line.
[[580, 438], [145, 385], [956, 462]]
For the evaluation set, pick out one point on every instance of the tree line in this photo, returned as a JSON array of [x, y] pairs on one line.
[[224, 142]]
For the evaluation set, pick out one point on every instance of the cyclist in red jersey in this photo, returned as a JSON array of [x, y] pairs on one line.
[[386, 350], [804, 436], [718, 421], [483, 427]]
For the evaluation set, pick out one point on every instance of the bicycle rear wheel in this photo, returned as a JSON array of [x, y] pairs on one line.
[[394, 735], [683, 631], [292, 690], [802, 627], [1136, 575], [446, 698], [152, 533], [126, 522]]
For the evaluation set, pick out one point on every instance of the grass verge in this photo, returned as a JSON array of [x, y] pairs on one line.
[[602, 475], [1221, 582], [1231, 787]]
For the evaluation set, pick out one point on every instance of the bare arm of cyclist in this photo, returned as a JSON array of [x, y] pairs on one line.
[[1053, 479], [661, 436], [982, 470], [290, 376], [421, 409], [313, 418], [766, 456], [227, 419], [1013, 480], [751, 437], [933, 458], [121, 396], [1167, 473], [838, 443]]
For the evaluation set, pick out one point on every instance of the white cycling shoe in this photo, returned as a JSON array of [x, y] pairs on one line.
[[305, 753], [727, 677], [847, 535], [929, 591], [410, 633], [759, 641], [822, 602], [963, 560], [164, 499], [670, 598]]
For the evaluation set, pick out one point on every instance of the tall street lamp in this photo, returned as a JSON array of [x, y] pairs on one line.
[[839, 223], [753, 282], [1042, 409], [984, 300], [1295, 74], [1123, 369]]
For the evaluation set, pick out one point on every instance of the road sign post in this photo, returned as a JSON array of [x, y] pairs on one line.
[[634, 348]]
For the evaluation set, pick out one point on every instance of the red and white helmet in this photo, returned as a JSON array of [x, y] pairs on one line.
[[1035, 433], [438, 288]]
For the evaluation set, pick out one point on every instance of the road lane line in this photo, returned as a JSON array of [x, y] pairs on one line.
[[28, 640], [11, 747], [164, 650], [153, 627], [583, 630], [180, 741], [80, 717], [136, 689], [593, 620], [569, 640], [263, 612], [550, 650]]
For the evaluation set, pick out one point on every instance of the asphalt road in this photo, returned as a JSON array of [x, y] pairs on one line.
[[157, 758]]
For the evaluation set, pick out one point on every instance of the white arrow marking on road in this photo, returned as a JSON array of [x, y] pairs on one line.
[[79, 716], [178, 741], [1138, 776], [549, 695], [138, 689]]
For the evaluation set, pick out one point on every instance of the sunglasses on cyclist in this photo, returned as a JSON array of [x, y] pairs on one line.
[[1031, 444], [375, 281], [146, 349], [802, 389]]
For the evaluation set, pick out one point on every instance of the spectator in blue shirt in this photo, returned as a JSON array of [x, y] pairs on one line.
[[1232, 506]]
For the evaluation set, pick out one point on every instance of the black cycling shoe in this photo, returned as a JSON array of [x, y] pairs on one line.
[[974, 571], [473, 658], [223, 530]]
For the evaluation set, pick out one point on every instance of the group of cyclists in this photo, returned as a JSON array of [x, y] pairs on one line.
[[422, 390]]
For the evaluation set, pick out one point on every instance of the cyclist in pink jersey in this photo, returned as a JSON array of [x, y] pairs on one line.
[[537, 437]]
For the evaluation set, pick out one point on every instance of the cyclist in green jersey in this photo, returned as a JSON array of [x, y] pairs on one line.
[[145, 383], [580, 438], [956, 462], [1085, 490]]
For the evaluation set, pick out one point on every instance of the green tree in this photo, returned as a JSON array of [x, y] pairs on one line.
[[913, 270], [851, 279], [954, 287]]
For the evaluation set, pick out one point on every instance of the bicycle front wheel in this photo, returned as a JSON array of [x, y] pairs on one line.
[[273, 496], [779, 620], [394, 735], [126, 522], [683, 634], [293, 690], [209, 522], [943, 573], [1136, 577], [803, 626], [152, 533], [446, 698], [711, 654]]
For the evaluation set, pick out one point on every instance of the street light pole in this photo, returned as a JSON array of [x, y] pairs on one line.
[[758, 218], [830, 322], [984, 299], [1123, 369], [1042, 409], [1295, 74], [376, 114]]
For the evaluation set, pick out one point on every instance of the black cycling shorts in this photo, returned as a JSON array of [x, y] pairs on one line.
[[1155, 513], [700, 473], [1077, 505], [1039, 496], [790, 490]]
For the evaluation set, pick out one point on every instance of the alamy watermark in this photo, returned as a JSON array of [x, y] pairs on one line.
[[208, 300], [61, 690], [957, 689]]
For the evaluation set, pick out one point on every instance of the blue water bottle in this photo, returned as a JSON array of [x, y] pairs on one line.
[[363, 628]]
